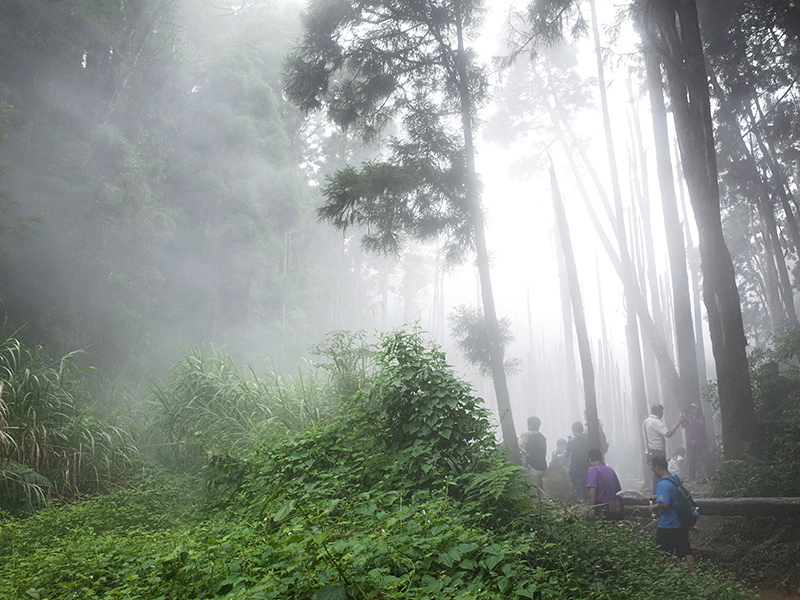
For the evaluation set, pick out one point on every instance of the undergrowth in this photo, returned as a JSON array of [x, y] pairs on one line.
[[764, 551], [403, 495], [53, 443]]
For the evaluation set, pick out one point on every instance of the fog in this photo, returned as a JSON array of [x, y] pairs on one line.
[[161, 192]]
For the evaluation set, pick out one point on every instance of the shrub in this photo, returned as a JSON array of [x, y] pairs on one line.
[[764, 550], [388, 500]]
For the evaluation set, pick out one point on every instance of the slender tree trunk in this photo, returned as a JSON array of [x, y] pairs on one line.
[[638, 260], [641, 184], [676, 250], [571, 374], [584, 347], [775, 259], [679, 35], [667, 367], [631, 322], [693, 266], [487, 297], [769, 275]]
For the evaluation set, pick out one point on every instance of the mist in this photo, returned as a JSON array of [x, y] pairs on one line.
[[161, 192]]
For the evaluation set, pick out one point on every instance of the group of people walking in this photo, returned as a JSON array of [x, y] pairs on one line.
[[596, 483], [590, 478]]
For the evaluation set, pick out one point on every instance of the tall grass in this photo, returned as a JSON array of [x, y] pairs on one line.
[[51, 445], [208, 405]]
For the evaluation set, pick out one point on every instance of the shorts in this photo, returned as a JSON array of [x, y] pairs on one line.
[[674, 540]]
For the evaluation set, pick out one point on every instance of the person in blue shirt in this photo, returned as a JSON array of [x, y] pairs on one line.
[[671, 536]]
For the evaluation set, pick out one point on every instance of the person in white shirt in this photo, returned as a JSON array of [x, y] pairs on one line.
[[676, 462], [655, 436]]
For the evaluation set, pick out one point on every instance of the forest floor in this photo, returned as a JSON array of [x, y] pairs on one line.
[[711, 541]]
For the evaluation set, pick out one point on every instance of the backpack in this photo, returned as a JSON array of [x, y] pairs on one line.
[[685, 508]]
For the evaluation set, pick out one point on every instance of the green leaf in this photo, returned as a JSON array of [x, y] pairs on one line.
[[319, 538], [335, 591], [283, 511]]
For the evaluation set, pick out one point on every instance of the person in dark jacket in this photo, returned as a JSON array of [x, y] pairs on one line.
[[577, 448], [533, 446]]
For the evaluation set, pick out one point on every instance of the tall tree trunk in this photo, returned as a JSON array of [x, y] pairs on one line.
[[482, 259], [584, 347], [666, 366], [776, 259], [693, 266], [631, 322], [773, 302], [676, 250], [639, 259], [641, 190], [571, 374], [678, 33]]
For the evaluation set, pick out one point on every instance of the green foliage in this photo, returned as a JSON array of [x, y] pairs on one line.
[[771, 468], [207, 405], [369, 65], [357, 508], [417, 193], [764, 550], [51, 445], [152, 141], [349, 360], [469, 330]]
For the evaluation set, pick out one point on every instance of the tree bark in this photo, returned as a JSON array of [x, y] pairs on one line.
[[573, 402], [676, 249], [678, 34], [482, 259], [631, 322], [584, 347], [745, 507]]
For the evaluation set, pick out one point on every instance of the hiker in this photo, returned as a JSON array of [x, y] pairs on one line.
[[676, 462], [698, 459], [557, 483], [558, 454], [655, 436], [671, 536], [577, 448], [533, 446], [601, 483]]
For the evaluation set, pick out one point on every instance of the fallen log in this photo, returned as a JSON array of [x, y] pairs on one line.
[[743, 507]]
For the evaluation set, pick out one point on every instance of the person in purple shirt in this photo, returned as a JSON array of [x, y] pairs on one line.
[[602, 483]]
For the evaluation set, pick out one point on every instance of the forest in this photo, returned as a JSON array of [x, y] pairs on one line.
[[281, 284]]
